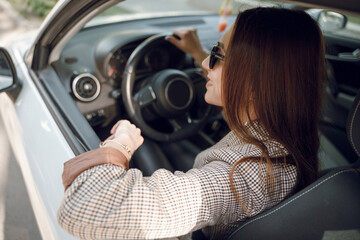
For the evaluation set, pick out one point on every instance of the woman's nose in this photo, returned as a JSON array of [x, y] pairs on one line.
[[205, 63]]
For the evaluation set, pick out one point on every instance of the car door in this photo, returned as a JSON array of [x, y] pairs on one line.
[[41, 135], [343, 64]]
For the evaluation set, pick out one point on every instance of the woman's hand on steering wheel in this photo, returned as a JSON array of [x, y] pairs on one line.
[[187, 40]]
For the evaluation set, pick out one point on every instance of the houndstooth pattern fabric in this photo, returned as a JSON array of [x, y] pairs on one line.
[[108, 202]]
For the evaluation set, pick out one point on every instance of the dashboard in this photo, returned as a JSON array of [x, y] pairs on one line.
[[92, 64]]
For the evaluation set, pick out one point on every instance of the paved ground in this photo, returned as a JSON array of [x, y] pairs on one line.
[[17, 220]]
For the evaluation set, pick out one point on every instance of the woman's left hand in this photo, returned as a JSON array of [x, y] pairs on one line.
[[125, 135]]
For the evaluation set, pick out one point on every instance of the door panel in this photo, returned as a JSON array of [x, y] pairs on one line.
[[343, 83], [40, 149]]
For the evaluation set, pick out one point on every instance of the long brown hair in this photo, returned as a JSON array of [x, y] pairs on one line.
[[275, 65]]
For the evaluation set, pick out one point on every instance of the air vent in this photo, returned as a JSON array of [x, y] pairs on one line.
[[86, 87]]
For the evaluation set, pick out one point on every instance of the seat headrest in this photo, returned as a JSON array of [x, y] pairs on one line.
[[353, 125]]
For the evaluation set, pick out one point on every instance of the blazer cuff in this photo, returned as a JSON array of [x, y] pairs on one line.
[[104, 155]]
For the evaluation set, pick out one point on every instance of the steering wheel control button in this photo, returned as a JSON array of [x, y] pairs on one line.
[[86, 87], [147, 96]]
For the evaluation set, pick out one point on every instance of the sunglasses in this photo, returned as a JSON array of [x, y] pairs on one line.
[[215, 56]]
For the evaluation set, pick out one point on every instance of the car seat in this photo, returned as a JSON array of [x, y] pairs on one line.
[[329, 208]]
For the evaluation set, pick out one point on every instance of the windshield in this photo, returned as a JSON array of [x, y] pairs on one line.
[[208, 6], [146, 6], [132, 9]]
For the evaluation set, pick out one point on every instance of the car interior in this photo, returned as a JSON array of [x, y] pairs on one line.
[[121, 71], [174, 132], [92, 66]]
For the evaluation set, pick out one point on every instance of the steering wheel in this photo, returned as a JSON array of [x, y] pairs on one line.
[[169, 94]]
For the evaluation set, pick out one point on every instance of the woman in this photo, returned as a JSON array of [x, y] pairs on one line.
[[266, 73]]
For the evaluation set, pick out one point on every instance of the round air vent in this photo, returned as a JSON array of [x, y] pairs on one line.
[[86, 87]]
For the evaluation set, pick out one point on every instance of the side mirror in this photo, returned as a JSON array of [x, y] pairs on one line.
[[7, 70], [8, 77], [330, 21]]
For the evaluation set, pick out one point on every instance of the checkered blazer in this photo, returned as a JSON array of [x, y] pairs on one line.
[[108, 202]]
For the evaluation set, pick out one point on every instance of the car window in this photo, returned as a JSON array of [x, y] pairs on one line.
[[131, 9], [351, 29], [209, 6]]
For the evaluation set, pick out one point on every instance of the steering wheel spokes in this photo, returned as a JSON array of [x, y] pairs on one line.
[[145, 96], [175, 125], [170, 94], [182, 121]]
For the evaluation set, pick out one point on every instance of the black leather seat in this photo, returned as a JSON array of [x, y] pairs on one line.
[[327, 209]]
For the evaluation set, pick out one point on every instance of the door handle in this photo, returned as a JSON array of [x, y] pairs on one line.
[[355, 55]]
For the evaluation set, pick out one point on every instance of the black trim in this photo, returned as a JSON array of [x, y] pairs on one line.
[[70, 113], [71, 139]]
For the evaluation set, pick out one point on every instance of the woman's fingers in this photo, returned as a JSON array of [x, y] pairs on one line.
[[120, 122]]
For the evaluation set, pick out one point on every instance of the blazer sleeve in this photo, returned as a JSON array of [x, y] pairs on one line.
[[109, 202]]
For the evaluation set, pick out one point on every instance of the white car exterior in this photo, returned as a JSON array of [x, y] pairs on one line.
[[29, 125]]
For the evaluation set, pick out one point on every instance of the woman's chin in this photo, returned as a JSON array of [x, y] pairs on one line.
[[212, 101]]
